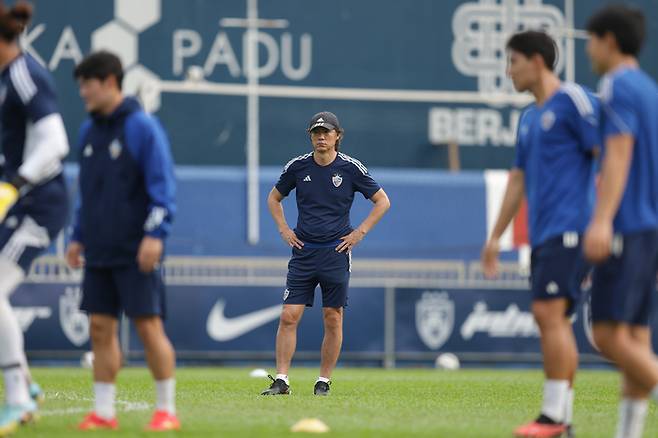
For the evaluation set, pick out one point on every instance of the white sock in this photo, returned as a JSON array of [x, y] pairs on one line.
[[568, 415], [105, 395], [632, 413], [322, 379], [16, 386], [555, 399], [165, 391], [283, 377]]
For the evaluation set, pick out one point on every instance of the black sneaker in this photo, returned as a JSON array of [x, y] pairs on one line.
[[278, 387], [321, 388]]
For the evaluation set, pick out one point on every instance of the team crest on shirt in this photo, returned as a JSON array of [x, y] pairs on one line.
[[88, 151], [547, 120], [115, 149], [337, 180]]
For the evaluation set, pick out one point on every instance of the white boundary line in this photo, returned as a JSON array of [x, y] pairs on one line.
[[122, 405]]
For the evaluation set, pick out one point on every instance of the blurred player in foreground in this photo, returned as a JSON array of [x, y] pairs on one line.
[[126, 207], [557, 143], [623, 234], [325, 181], [33, 200]]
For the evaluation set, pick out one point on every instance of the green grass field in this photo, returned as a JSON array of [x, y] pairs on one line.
[[364, 402]]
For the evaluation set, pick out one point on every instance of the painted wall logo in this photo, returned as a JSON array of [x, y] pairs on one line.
[[121, 37], [285, 53], [480, 31], [75, 323], [435, 318], [510, 323]]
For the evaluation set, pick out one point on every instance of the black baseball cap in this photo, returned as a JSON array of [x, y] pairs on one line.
[[324, 119]]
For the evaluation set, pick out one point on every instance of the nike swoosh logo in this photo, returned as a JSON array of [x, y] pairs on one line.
[[220, 328]]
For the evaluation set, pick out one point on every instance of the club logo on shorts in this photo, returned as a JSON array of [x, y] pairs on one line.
[[11, 222], [75, 324], [285, 294], [115, 149], [435, 318], [552, 288], [547, 120], [337, 180]]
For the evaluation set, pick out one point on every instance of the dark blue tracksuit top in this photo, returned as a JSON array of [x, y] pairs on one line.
[[127, 185]]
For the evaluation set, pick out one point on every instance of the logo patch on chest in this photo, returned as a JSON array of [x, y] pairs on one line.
[[337, 180], [547, 120], [115, 149], [88, 151]]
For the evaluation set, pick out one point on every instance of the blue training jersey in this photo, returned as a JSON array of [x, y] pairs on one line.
[[33, 137], [554, 149], [325, 195], [630, 106]]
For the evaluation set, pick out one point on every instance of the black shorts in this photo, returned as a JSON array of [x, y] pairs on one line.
[[111, 290], [558, 269], [624, 286], [311, 266]]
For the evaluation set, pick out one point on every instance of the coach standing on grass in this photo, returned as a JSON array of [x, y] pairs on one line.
[[322, 242], [126, 207]]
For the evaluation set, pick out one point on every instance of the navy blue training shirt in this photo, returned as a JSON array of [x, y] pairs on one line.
[[127, 184], [630, 106], [325, 195], [554, 149]]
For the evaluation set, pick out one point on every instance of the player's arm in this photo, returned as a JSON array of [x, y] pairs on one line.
[[612, 183], [154, 157], [511, 202], [380, 207], [276, 210], [48, 143], [75, 247]]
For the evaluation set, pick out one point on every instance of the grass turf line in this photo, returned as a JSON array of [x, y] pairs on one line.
[[363, 403]]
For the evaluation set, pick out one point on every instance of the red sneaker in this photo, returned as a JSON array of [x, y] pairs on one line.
[[94, 422], [540, 430], [163, 421]]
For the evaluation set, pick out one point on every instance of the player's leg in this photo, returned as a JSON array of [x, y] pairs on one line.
[[634, 404], [557, 271], [623, 292], [560, 355], [331, 345], [286, 336], [101, 301], [300, 289], [143, 300], [334, 281], [18, 403], [22, 239]]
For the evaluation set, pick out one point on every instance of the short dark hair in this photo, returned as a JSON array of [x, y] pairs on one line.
[[100, 65], [14, 20], [535, 42], [625, 23]]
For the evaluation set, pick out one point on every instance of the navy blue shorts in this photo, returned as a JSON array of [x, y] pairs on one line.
[[34, 222], [624, 286], [313, 265], [111, 290], [558, 269]]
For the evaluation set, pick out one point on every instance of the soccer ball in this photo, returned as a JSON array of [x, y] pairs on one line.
[[195, 73], [447, 361], [87, 359]]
